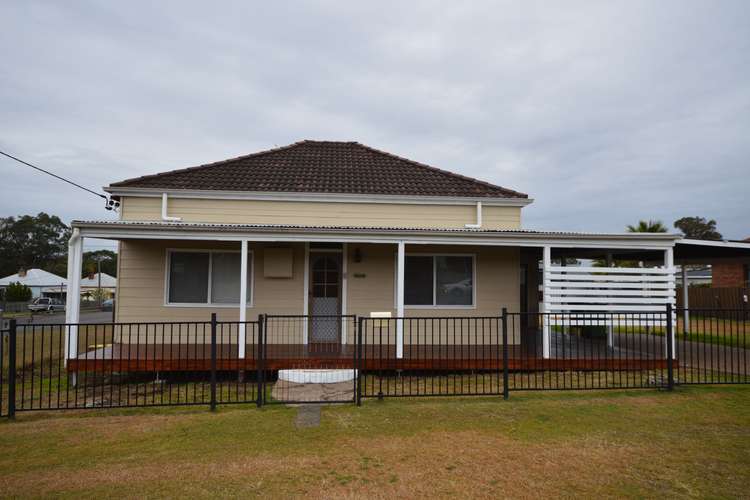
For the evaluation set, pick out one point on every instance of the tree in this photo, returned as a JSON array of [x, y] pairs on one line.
[[643, 226], [16, 292], [108, 262], [29, 241], [698, 228], [649, 226]]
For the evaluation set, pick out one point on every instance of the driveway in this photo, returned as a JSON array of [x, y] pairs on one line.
[[57, 318]]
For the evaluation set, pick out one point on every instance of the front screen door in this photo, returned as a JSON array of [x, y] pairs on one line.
[[325, 297]]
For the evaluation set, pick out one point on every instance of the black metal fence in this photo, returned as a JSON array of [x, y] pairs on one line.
[[309, 359], [434, 356], [304, 359], [712, 346], [591, 350], [128, 365]]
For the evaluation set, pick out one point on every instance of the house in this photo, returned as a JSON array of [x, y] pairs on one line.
[[88, 287], [95, 281], [731, 274], [323, 229], [42, 283]]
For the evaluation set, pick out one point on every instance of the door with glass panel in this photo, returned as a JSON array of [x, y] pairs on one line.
[[325, 297]]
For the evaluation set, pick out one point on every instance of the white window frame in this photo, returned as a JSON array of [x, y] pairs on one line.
[[168, 266], [434, 304]]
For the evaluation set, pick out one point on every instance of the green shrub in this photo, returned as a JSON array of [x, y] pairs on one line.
[[16, 292]]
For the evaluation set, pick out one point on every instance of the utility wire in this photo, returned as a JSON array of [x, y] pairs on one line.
[[53, 175]]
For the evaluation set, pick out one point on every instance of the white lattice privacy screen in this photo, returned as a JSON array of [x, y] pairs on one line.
[[610, 290]]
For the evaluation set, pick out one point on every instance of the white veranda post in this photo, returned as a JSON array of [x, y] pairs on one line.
[[344, 292], [241, 334], [610, 323], [685, 305], [400, 262], [546, 264], [72, 299], [669, 266]]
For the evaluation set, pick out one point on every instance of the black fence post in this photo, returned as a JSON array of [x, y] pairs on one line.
[[12, 369], [359, 361], [213, 361], [506, 391], [670, 356], [259, 360]]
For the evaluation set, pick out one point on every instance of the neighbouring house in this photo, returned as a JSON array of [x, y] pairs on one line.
[[322, 228], [42, 283], [94, 281], [731, 274]]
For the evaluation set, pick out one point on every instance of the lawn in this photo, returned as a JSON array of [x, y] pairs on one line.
[[693, 442], [718, 331]]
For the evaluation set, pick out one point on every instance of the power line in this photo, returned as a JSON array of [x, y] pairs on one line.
[[53, 175]]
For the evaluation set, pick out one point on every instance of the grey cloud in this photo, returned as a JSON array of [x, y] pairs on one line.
[[604, 112]]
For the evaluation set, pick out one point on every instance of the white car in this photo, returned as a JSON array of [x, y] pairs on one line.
[[458, 288], [47, 305]]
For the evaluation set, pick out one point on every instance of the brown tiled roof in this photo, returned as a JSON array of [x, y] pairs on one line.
[[323, 167]]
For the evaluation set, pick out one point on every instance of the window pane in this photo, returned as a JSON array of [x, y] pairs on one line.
[[454, 281], [418, 281], [188, 277], [225, 278]]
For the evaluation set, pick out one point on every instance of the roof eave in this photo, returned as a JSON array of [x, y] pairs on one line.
[[715, 243], [155, 229], [319, 197]]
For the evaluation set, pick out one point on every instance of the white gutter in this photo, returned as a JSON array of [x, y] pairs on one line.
[[319, 197]]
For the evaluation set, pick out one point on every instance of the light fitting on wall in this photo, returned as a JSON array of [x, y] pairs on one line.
[[357, 255]]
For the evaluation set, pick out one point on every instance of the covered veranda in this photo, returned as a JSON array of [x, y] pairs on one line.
[[646, 290]]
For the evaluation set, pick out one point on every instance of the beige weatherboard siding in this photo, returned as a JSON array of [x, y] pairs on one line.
[[370, 286], [497, 282], [321, 213], [142, 292]]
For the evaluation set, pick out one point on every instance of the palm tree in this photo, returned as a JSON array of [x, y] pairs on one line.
[[644, 226], [649, 226]]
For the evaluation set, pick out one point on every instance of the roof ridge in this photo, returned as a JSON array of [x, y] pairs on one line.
[[447, 173]]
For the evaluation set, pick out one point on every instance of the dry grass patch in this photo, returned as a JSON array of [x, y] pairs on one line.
[[691, 443], [446, 464]]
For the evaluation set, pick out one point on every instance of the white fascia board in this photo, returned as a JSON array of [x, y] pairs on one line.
[[319, 197], [391, 237]]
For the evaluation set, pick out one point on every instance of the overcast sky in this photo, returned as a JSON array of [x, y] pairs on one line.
[[604, 112]]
